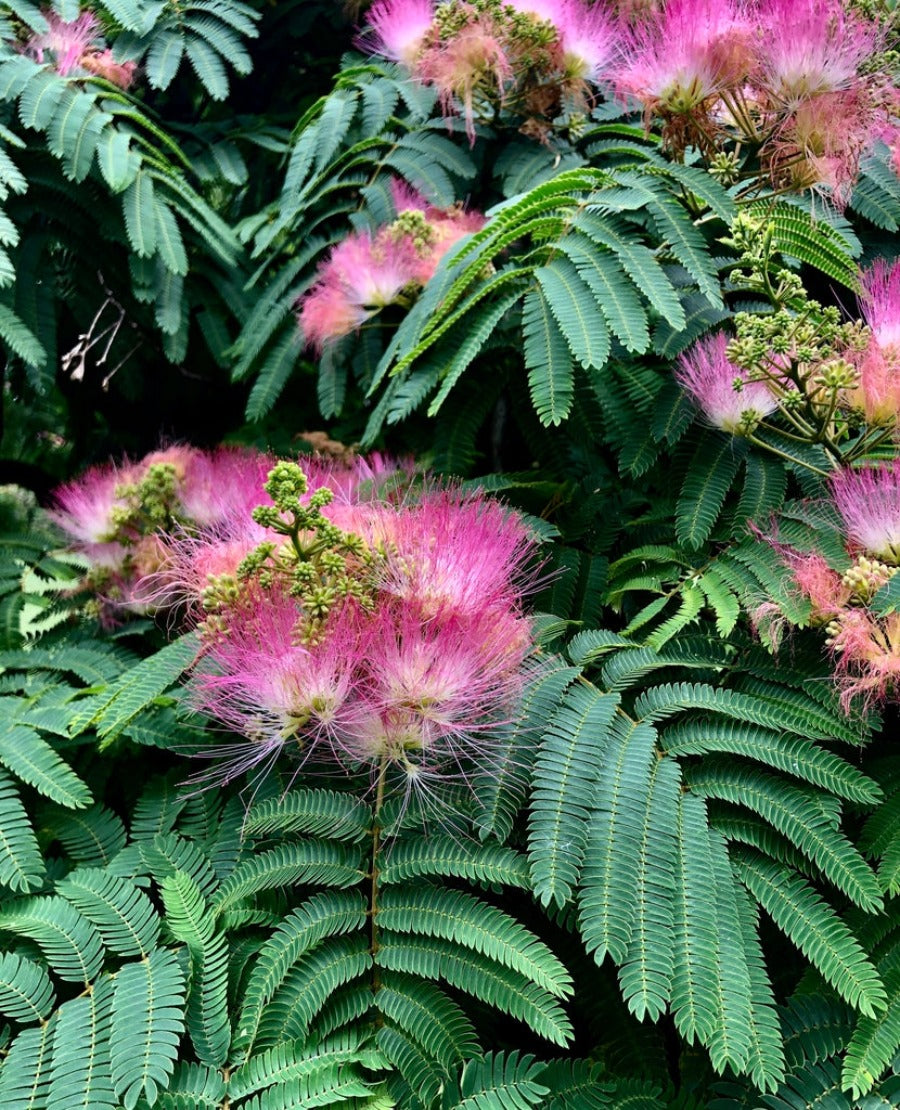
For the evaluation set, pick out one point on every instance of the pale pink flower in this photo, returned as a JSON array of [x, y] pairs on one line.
[[102, 64], [880, 304], [677, 59], [867, 655], [472, 63], [706, 374], [825, 588], [67, 43], [446, 226], [361, 275], [588, 38], [225, 484], [83, 509], [868, 501], [262, 683], [877, 392], [809, 47], [821, 143], [399, 29], [434, 688]]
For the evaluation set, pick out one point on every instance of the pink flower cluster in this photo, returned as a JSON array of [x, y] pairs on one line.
[[877, 393], [865, 644], [720, 390], [154, 531], [106, 516], [791, 78], [360, 616], [366, 272], [416, 679], [73, 46], [484, 57]]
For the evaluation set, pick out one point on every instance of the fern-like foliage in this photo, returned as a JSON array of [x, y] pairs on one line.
[[675, 796]]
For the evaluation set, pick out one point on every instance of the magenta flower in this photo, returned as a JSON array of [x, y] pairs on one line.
[[399, 29], [718, 388], [361, 275], [589, 40], [66, 42], [434, 688], [260, 682], [456, 554], [677, 59], [83, 508], [880, 303], [868, 501], [471, 64], [809, 47]]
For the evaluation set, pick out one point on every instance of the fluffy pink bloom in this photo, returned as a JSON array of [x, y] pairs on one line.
[[474, 60], [362, 274], [877, 392], [880, 304], [102, 64], [821, 143], [431, 688], [868, 501], [588, 38], [676, 59], [825, 588], [260, 682], [456, 554], [66, 42], [867, 654], [706, 374], [399, 29], [217, 487], [446, 226], [809, 47], [83, 509]]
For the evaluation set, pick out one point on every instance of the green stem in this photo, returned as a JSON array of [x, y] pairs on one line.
[[374, 871]]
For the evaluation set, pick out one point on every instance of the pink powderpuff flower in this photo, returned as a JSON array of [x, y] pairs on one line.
[[102, 64], [867, 656], [678, 59], [189, 561], [219, 486], [361, 275], [880, 304], [706, 374], [822, 142], [434, 689], [868, 501], [826, 590], [588, 39], [877, 392], [261, 683], [67, 42], [810, 47], [83, 509], [457, 554], [471, 64], [446, 226], [398, 29]]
